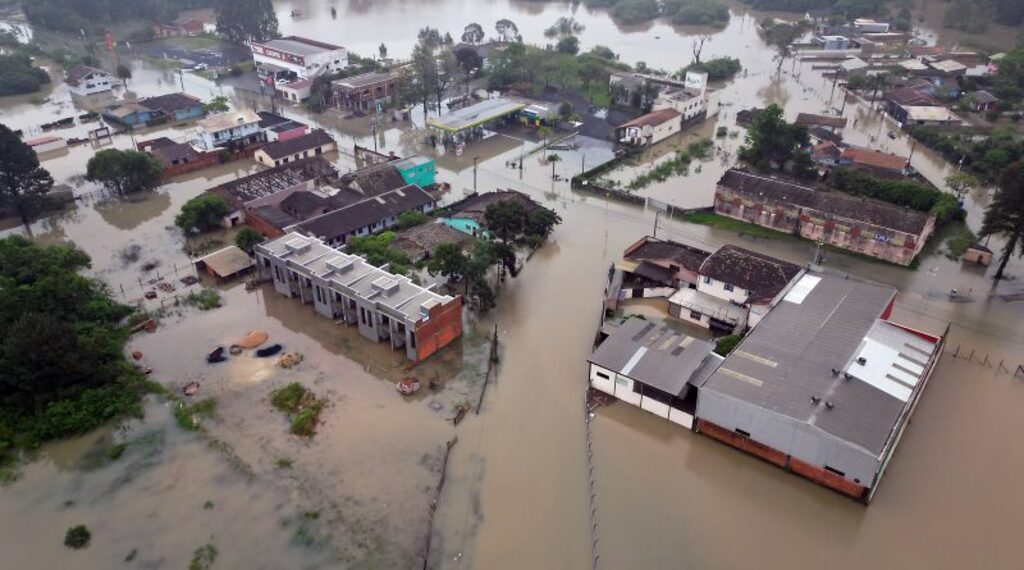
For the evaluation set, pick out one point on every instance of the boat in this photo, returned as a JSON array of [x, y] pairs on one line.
[[269, 351], [216, 355], [408, 386]]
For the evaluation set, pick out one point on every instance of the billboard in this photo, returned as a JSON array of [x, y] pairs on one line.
[[696, 81]]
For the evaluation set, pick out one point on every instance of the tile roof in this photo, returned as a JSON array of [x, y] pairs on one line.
[[171, 102], [652, 119], [475, 205], [874, 158], [77, 73], [763, 275], [269, 181], [343, 221], [829, 203], [373, 180], [667, 251], [280, 149]]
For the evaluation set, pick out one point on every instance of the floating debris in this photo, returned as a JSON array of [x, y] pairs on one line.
[[408, 386], [269, 351]]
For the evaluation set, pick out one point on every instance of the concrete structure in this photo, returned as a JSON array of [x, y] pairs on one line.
[[176, 107], [930, 116], [365, 91], [865, 25], [652, 267], [178, 158], [384, 306], [418, 170], [83, 80], [692, 102], [225, 264], [978, 254], [279, 128], [293, 57], [236, 129], [46, 143], [823, 386], [295, 91], [271, 187], [296, 148], [650, 129], [870, 227], [470, 121], [736, 287], [653, 368], [834, 42], [130, 114]]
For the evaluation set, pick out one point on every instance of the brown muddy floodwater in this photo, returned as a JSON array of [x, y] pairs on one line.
[[358, 495]]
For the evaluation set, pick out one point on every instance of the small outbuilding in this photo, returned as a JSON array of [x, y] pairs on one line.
[[978, 254], [225, 264]]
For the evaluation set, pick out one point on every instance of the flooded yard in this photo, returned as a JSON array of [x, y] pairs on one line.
[[359, 493]]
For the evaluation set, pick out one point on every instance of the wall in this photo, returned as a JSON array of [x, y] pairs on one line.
[[622, 388], [443, 327], [683, 313], [717, 289], [422, 175], [665, 130]]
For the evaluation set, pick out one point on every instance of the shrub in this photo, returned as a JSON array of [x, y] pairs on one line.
[[204, 300], [247, 239], [189, 417], [202, 213], [726, 344], [77, 537], [287, 399]]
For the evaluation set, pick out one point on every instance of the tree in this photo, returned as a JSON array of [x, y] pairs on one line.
[[124, 73], [383, 51], [603, 52], [563, 28], [19, 76], [698, 47], [772, 143], [1005, 215], [202, 213], [554, 159], [569, 45], [449, 261], [469, 60], [780, 37], [473, 34], [961, 183], [124, 171], [247, 239], [506, 220], [507, 31], [216, 105], [23, 183], [242, 21]]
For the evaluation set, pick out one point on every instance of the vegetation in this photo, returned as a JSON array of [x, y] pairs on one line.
[[62, 365], [124, 171], [909, 193], [679, 165], [202, 213], [697, 12], [412, 219], [216, 105], [94, 15], [435, 67], [958, 241], [23, 183], [302, 406], [452, 262], [204, 300], [203, 558], [283, 463], [717, 69], [247, 239], [378, 251], [726, 344], [1004, 217], [189, 417], [241, 21], [984, 156], [780, 37], [18, 76], [740, 227], [77, 537], [774, 144]]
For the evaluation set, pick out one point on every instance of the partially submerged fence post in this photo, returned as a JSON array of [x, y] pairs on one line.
[[492, 360], [437, 497]]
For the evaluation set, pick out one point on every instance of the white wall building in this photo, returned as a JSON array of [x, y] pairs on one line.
[[651, 128], [222, 130], [691, 101], [299, 57]]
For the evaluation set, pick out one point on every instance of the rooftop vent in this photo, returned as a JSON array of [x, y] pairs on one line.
[[829, 405], [297, 245], [340, 264], [861, 360], [385, 285], [847, 376], [815, 400], [835, 372]]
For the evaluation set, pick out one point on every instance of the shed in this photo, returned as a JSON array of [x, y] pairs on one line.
[[225, 264], [978, 254]]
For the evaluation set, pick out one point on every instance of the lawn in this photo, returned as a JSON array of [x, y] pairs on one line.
[[722, 222]]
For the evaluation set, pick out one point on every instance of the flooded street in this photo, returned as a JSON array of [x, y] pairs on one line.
[[358, 495]]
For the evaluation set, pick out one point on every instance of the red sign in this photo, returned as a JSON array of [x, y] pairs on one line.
[[110, 41]]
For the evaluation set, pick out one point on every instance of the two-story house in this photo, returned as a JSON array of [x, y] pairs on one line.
[[234, 129], [736, 287], [83, 80]]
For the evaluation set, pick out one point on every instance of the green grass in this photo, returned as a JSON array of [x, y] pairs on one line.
[[204, 300], [304, 423], [190, 417], [287, 399], [722, 222], [203, 558], [77, 537], [302, 406], [283, 463]]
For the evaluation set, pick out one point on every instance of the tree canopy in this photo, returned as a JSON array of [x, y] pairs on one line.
[[717, 69], [62, 365], [774, 144], [202, 213], [23, 183], [19, 76], [124, 171], [1004, 216], [240, 21], [75, 15]]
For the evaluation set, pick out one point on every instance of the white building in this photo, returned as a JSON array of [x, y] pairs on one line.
[[692, 101], [294, 57], [867, 26], [735, 289], [654, 368], [651, 128], [234, 128], [84, 80]]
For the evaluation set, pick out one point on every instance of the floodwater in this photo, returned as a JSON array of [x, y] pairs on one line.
[[517, 490]]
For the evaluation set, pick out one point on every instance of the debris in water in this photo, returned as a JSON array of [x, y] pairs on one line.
[[269, 351], [408, 386], [252, 339], [289, 359], [216, 355], [191, 389], [235, 349]]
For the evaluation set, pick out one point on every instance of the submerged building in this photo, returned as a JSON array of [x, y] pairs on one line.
[[384, 306]]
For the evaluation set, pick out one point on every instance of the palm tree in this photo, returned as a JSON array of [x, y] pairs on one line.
[[554, 159], [1005, 215]]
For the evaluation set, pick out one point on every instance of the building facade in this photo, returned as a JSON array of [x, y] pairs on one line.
[[298, 58], [83, 80], [651, 128], [869, 227], [280, 152], [385, 307], [365, 91], [231, 129]]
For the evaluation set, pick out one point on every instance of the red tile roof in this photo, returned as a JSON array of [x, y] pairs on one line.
[[874, 158], [652, 119]]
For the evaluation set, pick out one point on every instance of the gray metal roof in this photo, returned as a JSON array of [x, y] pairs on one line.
[[652, 354], [475, 115], [823, 323]]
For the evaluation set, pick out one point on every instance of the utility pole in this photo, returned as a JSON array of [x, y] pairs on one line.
[[476, 160], [583, 163], [817, 252], [657, 214]]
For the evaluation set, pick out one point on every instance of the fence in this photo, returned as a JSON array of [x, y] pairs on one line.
[[1014, 369]]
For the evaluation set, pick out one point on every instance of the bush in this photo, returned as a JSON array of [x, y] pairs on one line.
[[906, 193], [302, 406], [721, 132], [77, 537], [411, 219], [189, 417], [726, 344], [717, 69], [204, 300], [287, 399], [247, 240], [202, 213]]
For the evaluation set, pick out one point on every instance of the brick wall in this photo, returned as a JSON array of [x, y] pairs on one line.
[[827, 479], [773, 456], [443, 327]]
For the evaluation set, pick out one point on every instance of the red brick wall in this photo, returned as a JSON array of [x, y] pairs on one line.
[[773, 456], [443, 327], [259, 224], [827, 479]]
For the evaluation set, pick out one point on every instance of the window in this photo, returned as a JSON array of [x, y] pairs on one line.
[[728, 287], [741, 432], [319, 299], [695, 315], [836, 471], [277, 273], [362, 315], [707, 281], [601, 375]]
